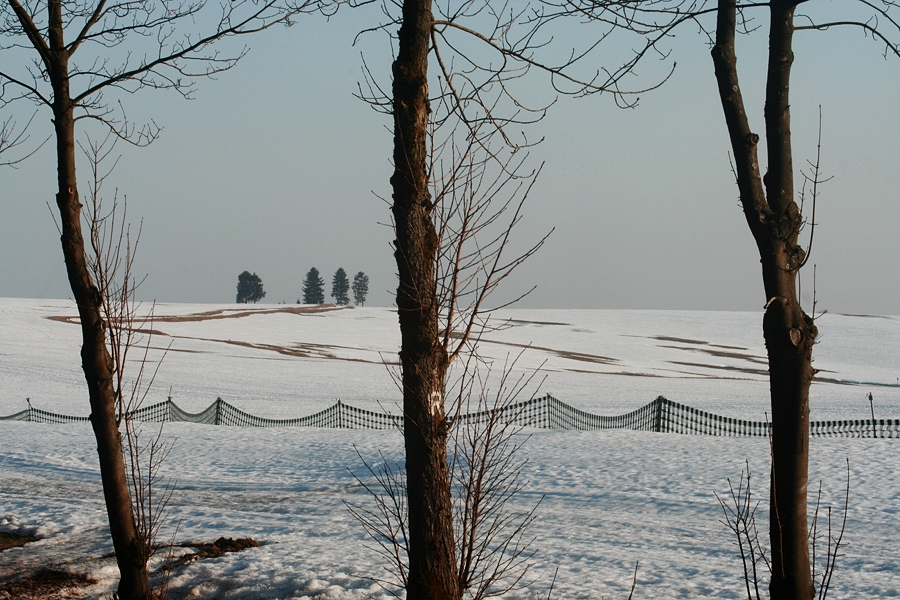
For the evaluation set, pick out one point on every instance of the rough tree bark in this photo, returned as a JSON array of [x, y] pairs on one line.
[[95, 358], [775, 222], [424, 360]]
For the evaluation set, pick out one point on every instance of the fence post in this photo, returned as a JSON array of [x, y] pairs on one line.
[[340, 415], [218, 420], [872, 407], [657, 414]]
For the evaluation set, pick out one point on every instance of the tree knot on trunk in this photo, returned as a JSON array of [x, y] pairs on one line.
[[784, 227], [723, 53], [796, 258], [784, 317]]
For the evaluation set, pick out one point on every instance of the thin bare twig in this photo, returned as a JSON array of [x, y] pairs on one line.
[[160, 48], [111, 264], [739, 515], [834, 542], [11, 138]]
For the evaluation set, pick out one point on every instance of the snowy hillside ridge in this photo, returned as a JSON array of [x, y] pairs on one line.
[[284, 361], [610, 498]]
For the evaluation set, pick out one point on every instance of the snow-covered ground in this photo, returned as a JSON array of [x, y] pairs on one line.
[[611, 498]]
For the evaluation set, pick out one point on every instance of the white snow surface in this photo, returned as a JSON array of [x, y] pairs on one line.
[[611, 499]]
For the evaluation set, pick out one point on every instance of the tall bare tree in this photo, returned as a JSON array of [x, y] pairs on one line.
[[121, 47], [424, 360], [774, 217], [476, 204], [771, 209], [476, 52], [775, 221]]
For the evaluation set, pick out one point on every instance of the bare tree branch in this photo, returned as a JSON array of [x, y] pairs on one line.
[[739, 515], [157, 53], [494, 548], [10, 138], [111, 262]]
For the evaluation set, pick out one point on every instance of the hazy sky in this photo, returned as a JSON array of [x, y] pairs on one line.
[[275, 167]]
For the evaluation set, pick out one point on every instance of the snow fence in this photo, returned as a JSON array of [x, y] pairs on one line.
[[546, 412]]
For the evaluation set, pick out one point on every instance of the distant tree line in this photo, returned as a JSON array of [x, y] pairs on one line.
[[314, 288], [250, 288]]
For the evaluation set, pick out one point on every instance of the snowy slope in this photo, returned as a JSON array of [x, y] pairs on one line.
[[611, 498]]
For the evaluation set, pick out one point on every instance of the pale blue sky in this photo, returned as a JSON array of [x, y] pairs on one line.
[[274, 168]]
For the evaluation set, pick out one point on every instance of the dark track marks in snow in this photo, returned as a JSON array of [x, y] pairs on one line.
[[223, 313], [569, 354], [297, 350], [522, 322], [666, 338], [723, 354], [747, 370]]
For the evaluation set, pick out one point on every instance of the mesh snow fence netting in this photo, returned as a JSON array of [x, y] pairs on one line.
[[545, 412]]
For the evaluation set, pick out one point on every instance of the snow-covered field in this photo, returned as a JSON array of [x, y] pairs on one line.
[[611, 498]]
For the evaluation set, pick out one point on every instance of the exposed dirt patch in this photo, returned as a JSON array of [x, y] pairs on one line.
[[212, 550], [14, 540], [46, 584]]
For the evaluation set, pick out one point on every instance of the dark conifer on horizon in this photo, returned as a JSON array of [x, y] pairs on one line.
[[360, 288], [340, 288], [313, 288]]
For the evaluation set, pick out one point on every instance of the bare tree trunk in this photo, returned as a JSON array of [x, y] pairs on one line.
[[432, 562], [775, 221], [43, 24], [95, 358]]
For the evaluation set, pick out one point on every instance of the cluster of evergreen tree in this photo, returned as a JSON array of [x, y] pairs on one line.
[[250, 288], [314, 288]]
